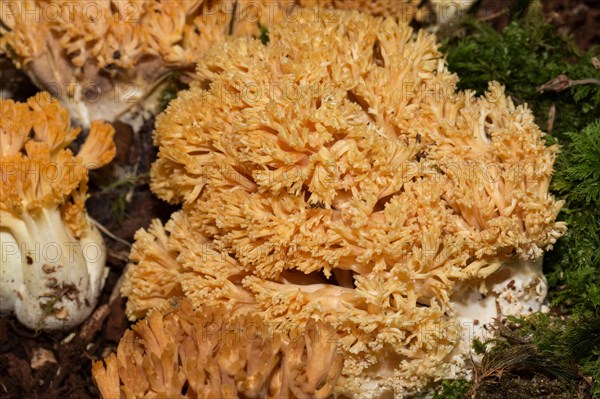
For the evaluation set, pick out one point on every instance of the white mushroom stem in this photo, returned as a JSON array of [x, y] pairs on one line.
[[518, 288], [49, 278]]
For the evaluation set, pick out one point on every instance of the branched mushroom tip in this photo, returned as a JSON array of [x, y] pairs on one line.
[[208, 353], [337, 175], [53, 258]]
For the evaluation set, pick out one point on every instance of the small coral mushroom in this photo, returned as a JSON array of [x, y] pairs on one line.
[[53, 259], [335, 174], [209, 354], [104, 59]]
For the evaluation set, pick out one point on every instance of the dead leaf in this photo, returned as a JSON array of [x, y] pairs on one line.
[[551, 118], [40, 357]]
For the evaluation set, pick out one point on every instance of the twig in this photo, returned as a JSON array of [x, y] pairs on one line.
[[108, 233], [121, 256], [562, 82], [93, 324], [551, 118], [492, 16]]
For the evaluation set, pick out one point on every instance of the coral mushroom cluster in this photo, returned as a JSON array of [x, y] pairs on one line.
[[53, 260], [337, 175], [105, 59]]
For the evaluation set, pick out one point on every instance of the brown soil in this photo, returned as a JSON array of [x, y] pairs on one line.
[[578, 18], [581, 19]]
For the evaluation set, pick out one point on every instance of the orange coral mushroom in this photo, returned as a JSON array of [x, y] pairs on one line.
[[53, 258]]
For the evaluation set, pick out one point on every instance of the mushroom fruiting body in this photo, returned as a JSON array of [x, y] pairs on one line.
[[53, 259], [336, 174]]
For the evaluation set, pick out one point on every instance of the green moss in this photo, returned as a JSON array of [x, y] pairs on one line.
[[264, 35], [120, 190], [578, 169], [173, 86], [452, 389], [574, 265], [583, 346]]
